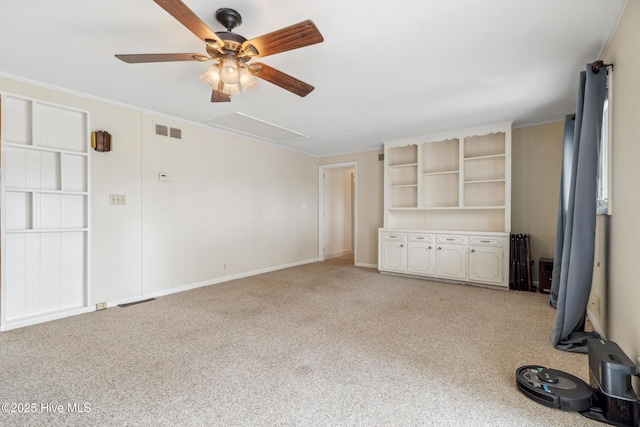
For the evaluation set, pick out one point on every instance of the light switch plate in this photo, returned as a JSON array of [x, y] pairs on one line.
[[117, 199]]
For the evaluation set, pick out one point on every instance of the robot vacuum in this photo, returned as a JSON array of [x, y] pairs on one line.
[[609, 397], [555, 389]]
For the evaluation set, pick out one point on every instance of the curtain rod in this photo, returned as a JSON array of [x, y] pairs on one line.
[[595, 67]]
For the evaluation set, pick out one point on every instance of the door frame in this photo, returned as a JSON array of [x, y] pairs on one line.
[[354, 208]]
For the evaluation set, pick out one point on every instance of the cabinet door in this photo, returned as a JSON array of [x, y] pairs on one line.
[[485, 264], [451, 262], [394, 256], [421, 258]]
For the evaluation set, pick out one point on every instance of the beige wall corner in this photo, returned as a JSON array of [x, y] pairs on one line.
[[536, 166]]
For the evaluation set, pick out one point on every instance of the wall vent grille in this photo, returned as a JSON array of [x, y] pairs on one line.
[[162, 130], [168, 132], [175, 133]]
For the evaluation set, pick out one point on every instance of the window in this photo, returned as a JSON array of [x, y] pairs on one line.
[[604, 156]]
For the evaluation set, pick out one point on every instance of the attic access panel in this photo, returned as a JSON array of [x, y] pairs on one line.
[[249, 126]]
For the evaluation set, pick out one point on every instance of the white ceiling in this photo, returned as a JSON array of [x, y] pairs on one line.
[[387, 69]]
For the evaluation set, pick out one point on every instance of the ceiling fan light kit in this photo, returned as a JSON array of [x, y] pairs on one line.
[[247, 81], [231, 73], [211, 77]]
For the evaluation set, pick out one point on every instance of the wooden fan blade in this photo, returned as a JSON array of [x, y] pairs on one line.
[[281, 79], [186, 17], [217, 96], [157, 57], [295, 36]]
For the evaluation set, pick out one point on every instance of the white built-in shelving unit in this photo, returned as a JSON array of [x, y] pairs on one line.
[[454, 186], [45, 210]]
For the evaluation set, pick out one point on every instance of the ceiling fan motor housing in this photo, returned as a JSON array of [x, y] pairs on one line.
[[229, 18], [232, 42]]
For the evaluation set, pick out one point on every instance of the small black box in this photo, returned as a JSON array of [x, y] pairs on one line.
[[545, 275]]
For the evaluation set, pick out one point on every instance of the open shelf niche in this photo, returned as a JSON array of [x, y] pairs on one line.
[[455, 181], [402, 183]]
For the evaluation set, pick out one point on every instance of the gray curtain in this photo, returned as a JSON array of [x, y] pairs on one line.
[[575, 237]]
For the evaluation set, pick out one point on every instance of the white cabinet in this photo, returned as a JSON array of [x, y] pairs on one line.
[[393, 253], [454, 190], [421, 254], [452, 262], [486, 260], [452, 256]]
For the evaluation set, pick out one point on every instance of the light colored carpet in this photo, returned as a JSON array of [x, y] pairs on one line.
[[324, 344]]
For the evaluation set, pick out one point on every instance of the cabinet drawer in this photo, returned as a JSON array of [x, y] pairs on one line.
[[452, 239], [485, 241], [424, 238], [398, 237]]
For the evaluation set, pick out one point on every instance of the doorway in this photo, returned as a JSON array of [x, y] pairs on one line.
[[338, 211]]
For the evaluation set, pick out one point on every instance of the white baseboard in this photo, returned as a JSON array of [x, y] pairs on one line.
[[361, 264], [595, 321], [337, 255], [46, 317], [225, 279]]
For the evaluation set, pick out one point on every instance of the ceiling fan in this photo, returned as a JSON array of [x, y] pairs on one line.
[[231, 52]]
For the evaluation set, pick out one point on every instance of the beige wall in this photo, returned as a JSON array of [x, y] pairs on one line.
[[234, 200], [623, 291], [250, 205], [369, 200], [536, 165]]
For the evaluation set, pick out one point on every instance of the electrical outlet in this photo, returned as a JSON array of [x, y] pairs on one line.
[[224, 266], [101, 306]]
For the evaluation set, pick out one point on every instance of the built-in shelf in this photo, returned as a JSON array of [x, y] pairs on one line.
[[482, 181], [466, 172], [456, 208], [452, 190], [46, 149], [402, 156], [29, 190], [47, 230], [492, 156], [46, 209], [405, 165], [440, 173]]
